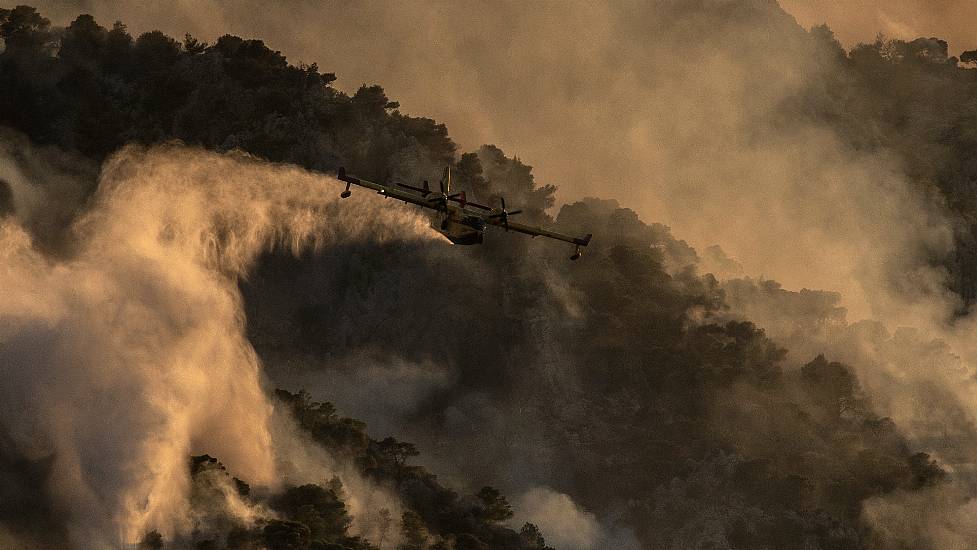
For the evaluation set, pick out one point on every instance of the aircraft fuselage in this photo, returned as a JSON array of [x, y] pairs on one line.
[[460, 228]]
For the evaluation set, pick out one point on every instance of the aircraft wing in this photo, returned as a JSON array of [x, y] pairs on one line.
[[534, 231], [386, 190]]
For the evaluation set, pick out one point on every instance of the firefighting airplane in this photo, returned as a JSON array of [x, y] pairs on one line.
[[461, 221]]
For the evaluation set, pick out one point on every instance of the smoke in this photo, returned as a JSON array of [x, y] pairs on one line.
[[939, 518], [920, 377], [301, 461], [565, 524], [713, 116], [687, 112], [125, 358], [364, 375], [43, 186], [856, 22], [13, 542]]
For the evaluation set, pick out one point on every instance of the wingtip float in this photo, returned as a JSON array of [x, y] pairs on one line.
[[462, 221]]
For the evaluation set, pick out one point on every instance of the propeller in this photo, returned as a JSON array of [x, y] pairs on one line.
[[445, 197], [504, 214]]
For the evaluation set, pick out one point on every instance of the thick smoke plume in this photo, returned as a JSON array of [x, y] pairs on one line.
[[122, 360]]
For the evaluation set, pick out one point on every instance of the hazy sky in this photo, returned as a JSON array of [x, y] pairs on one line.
[[856, 21]]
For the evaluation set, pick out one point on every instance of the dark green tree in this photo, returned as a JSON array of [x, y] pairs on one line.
[[413, 531], [494, 506], [287, 535], [151, 541]]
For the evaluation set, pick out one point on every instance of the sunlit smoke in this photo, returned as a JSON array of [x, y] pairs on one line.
[[566, 524]]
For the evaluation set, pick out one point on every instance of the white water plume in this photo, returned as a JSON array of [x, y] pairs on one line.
[[130, 356]]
